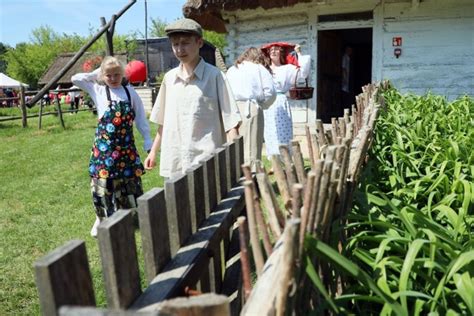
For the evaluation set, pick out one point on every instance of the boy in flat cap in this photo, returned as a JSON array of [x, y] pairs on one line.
[[195, 110]]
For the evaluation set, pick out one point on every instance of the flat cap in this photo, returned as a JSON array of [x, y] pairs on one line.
[[184, 26]]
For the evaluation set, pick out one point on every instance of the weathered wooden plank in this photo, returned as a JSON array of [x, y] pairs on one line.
[[63, 278], [233, 163], [184, 269], [220, 154], [232, 283], [210, 184], [206, 304], [118, 253], [239, 154], [153, 219], [91, 311], [228, 169], [179, 216], [196, 196]]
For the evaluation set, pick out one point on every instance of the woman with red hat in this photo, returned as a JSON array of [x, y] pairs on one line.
[[278, 127]]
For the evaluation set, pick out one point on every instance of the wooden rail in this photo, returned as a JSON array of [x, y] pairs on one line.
[[188, 238]]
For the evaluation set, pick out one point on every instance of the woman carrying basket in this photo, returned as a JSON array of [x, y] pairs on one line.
[[278, 127]]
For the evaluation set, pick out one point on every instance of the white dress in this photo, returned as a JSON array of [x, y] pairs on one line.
[[278, 121]]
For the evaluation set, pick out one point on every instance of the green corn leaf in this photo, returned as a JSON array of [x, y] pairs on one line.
[[449, 213], [468, 194], [314, 277], [322, 249], [457, 264], [465, 289], [407, 267], [464, 259]]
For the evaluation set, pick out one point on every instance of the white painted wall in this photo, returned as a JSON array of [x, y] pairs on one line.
[[437, 48]]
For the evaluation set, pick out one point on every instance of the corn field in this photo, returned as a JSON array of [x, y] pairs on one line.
[[410, 245]]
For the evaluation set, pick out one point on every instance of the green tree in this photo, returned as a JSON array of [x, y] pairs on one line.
[[157, 28], [216, 39], [3, 64], [27, 62]]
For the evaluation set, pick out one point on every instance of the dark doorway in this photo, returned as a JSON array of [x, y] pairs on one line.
[[332, 45]]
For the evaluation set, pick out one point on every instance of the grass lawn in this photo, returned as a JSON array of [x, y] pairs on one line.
[[45, 201]]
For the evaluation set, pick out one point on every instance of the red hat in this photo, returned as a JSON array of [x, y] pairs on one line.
[[288, 48]]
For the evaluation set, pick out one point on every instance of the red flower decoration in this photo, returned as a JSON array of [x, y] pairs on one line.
[[92, 63], [116, 121]]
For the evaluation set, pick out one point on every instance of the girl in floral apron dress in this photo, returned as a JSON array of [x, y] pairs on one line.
[[115, 166]]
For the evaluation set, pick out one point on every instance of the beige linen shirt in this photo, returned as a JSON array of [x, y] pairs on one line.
[[195, 113]]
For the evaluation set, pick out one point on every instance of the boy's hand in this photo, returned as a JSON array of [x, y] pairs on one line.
[[232, 134], [150, 161]]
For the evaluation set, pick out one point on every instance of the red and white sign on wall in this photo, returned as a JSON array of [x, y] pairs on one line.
[[397, 41]]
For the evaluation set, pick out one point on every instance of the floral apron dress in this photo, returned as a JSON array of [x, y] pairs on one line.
[[115, 166]]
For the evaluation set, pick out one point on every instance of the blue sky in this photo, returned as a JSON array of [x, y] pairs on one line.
[[19, 17]]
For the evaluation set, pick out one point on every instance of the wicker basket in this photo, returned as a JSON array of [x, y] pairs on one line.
[[301, 93]]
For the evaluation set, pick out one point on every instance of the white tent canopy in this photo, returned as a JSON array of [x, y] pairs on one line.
[[7, 82]]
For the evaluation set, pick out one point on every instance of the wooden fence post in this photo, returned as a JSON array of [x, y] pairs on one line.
[[118, 253], [23, 107], [179, 217], [210, 183], [203, 305], [63, 278], [153, 219], [221, 170], [239, 155], [196, 196]]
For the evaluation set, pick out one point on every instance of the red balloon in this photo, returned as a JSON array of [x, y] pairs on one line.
[[135, 71]]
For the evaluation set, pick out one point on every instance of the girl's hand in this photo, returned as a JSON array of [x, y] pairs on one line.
[[150, 161]]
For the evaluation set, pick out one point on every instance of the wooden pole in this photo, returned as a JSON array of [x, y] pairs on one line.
[[289, 168], [258, 211], [76, 57], [254, 239], [244, 256], [109, 34], [308, 196], [281, 181], [287, 269], [316, 148], [298, 162], [272, 209], [60, 113], [23, 107], [296, 193], [320, 132], [318, 170], [40, 115], [309, 143]]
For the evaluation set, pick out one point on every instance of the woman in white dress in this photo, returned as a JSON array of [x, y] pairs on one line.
[[253, 90], [278, 128]]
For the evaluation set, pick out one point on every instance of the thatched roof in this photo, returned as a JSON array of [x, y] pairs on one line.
[[63, 59], [208, 12]]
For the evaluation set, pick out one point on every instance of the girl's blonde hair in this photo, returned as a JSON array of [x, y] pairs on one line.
[[111, 62]]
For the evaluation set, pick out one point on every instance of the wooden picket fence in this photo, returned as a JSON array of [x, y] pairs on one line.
[[195, 239], [312, 201], [190, 246]]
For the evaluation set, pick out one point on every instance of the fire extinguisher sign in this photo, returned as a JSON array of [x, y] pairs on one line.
[[397, 41]]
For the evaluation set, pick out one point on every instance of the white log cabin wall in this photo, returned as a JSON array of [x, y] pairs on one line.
[[437, 47], [437, 41]]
